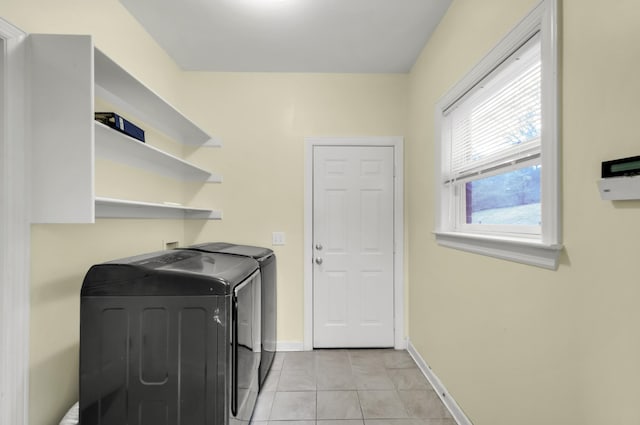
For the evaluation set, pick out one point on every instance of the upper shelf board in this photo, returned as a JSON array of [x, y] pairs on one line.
[[117, 86]]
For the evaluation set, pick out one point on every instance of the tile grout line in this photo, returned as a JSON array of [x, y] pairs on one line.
[[357, 390]]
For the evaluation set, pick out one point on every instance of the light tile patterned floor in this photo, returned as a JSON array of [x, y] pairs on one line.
[[348, 387]]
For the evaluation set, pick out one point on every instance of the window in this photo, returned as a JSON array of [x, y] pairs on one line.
[[498, 164], [493, 136]]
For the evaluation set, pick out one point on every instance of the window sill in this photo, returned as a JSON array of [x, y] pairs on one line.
[[524, 251]]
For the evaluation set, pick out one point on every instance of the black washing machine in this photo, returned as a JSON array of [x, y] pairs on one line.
[[168, 338]]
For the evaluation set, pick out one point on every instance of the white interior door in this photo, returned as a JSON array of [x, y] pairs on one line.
[[353, 246]]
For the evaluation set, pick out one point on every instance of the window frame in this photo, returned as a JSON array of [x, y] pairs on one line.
[[541, 250]]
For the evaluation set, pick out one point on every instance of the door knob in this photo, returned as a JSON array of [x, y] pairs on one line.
[[319, 247], [318, 261]]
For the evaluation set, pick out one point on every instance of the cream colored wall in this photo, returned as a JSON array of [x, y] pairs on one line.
[[114, 30], [601, 91], [262, 119], [515, 344]]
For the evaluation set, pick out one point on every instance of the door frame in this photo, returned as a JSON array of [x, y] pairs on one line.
[[396, 142], [14, 229]]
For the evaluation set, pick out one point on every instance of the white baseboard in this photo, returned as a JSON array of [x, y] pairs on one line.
[[290, 346], [449, 402]]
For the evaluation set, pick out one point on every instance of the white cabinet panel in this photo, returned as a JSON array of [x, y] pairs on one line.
[[61, 77]]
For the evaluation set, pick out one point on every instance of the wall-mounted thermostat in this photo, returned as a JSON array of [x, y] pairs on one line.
[[620, 179]]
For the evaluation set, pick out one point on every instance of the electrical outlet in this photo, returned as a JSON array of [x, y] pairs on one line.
[[277, 238]]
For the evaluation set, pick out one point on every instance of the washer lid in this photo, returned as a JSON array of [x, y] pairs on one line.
[[178, 272], [256, 252]]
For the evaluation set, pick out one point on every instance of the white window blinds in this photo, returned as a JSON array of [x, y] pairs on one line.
[[498, 122]]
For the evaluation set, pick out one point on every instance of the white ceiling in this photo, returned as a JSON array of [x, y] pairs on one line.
[[353, 36]]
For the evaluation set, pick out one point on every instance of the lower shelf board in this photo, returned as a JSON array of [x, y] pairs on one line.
[[121, 208]]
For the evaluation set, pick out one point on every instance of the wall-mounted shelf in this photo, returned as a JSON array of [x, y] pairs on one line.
[[118, 87], [121, 208], [66, 74], [116, 146]]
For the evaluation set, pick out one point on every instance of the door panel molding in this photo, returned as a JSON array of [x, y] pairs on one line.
[[397, 143]]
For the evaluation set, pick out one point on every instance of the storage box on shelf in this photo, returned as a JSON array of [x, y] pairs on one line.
[[67, 73]]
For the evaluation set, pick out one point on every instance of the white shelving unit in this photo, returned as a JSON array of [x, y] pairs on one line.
[[118, 87], [67, 71]]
